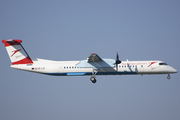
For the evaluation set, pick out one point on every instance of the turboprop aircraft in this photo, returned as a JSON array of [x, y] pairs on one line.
[[93, 65]]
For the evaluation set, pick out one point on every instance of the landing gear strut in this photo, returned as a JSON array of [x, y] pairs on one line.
[[93, 78], [168, 77]]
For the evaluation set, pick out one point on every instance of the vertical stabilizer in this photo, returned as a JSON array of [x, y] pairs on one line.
[[16, 52]]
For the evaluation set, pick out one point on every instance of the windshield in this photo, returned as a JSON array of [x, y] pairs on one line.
[[163, 64]]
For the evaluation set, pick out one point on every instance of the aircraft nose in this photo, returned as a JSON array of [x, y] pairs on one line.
[[174, 70]]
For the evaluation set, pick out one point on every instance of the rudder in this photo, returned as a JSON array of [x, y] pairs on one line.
[[16, 52]]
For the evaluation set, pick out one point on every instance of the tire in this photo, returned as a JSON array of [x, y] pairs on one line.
[[93, 80]]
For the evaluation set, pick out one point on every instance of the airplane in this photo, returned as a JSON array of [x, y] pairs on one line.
[[93, 65]]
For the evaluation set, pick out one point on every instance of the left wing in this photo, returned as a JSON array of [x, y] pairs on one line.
[[94, 58]]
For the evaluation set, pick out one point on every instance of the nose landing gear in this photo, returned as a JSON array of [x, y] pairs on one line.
[[168, 77]]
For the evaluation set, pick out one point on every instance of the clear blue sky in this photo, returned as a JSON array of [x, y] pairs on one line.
[[71, 30]]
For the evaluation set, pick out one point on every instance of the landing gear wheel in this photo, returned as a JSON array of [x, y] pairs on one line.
[[93, 80], [168, 77]]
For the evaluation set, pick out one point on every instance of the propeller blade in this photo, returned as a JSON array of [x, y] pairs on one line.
[[117, 61], [117, 56], [116, 67]]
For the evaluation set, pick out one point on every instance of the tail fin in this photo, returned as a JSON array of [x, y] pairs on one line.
[[16, 52]]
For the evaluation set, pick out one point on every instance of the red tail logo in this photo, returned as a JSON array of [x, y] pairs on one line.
[[14, 52]]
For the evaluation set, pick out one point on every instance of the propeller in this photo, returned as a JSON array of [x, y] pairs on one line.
[[117, 61]]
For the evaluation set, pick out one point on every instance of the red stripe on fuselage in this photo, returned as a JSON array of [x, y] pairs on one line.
[[151, 63]]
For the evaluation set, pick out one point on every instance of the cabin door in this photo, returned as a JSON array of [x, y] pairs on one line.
[[61, 67]]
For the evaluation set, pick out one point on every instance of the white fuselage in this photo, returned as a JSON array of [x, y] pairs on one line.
[[75, 68]]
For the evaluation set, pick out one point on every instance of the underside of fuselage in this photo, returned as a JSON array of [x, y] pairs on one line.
[[90, 73]]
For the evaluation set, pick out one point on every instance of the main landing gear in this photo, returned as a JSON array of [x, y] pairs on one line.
[[168, 77], [93, 78]]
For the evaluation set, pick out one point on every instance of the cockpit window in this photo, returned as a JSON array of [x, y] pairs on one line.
[[163, 64]]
